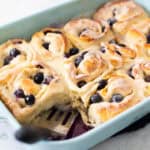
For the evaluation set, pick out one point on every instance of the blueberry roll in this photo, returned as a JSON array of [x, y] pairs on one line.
[[14, 52], [138, 38], [139, 69], [116, 54], [110, 96], [31, 89], [120, 15], [50, 43], [84, 68], [86, 32]]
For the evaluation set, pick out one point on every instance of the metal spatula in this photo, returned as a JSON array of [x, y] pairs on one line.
[[52, 125]]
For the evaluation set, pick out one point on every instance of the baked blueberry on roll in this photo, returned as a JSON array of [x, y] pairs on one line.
[[31, 89], [14, 52], [138, 39], [139, 69], [96, 61], [120, 15], [116, 54], [84, 67], [111, 96], [85, 32], [50, 43]]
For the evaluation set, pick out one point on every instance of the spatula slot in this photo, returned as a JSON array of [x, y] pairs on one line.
[[66, 118], [52, 113]]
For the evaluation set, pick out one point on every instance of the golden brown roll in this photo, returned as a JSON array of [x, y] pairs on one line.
[[116, 54], [138, 38], [14, 52], [139, 69], [31, 88], [84, 68], [120, 15], [116, 92], [95, 61], [110, 96], [50, 43], [85, 32]]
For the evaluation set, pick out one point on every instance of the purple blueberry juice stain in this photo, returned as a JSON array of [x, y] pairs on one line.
[[77, 128]]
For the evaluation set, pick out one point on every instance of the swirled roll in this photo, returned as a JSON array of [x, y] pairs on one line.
[[85, 32], [50, 43], [84, 68], [138, 38], [116, 54], [14, 52], [110, 96], [120, 15], [31, 89]]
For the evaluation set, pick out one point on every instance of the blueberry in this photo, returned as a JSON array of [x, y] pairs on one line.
[[7, 60], [29, 99], [72, 51], [96, 98], [102, 49], [19, 93], [48, 79], [111, 21], [38, 78], [78, 60], [46, 45], [147, 78], [102, 84], [148, 38], [14, 52], [81, 83], [116, 98]]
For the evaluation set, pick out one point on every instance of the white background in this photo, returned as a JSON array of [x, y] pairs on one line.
[[13, 9]]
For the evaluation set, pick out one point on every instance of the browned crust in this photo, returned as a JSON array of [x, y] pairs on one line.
[[40, 34], [107, 113], [15, 109], [111, 3]]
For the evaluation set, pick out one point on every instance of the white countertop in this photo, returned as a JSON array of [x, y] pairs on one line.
[[14, 9]]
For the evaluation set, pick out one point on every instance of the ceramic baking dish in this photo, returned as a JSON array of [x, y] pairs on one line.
[[25, 27]]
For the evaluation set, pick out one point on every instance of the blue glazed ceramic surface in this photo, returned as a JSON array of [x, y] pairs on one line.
[[24, 28]]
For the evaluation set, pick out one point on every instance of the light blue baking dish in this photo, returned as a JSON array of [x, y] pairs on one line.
[[24, 28]]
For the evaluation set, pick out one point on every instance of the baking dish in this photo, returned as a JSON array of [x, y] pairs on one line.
[[26, 27]]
